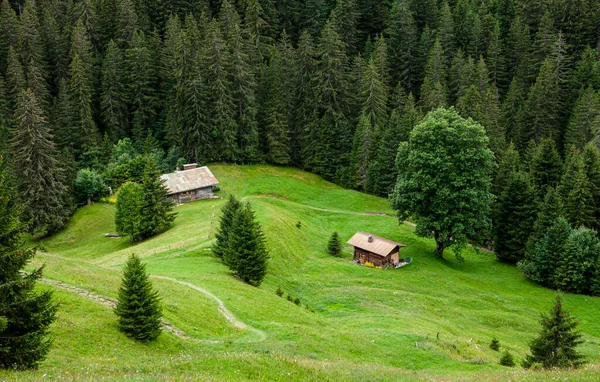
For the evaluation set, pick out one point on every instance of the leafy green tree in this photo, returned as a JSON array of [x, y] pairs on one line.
[[25, 315], [515, 218], [89, 185], [334, 246], [247, 245], [37, 172], [221, 246], [138, 303], [128, 213], [556, 344], [445, 163]]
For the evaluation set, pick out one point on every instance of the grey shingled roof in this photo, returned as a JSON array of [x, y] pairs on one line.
[[181, 181], [378, 246]]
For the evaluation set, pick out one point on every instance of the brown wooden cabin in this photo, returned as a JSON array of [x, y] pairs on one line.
[[193, 183], [374, 251]]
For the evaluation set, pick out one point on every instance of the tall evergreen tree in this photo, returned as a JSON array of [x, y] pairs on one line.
[[84, 128], [434, 91], [113, 97], [545, 167], [403, 45], [26, 315], [579, 204], [39, 177], [557, 342], [515, 218], [247, 242], [156, 209], [583, 125], [221, 246], [9, 30], [542, 109], [138, 303]]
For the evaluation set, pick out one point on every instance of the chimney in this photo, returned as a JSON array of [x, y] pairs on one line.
[[190, 166], [370, 239]]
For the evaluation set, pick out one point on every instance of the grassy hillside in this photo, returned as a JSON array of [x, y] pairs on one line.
[[430, 320]]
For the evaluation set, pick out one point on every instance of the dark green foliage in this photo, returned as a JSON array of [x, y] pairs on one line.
[[297, 301], [279, 291], [582, 126], [557, 341], [515, 218], [545, 167], [579, 204], [25, 315], [89, 185], [39, 176], [128, 214], [578, 266], [495, 344], [138, 304], [334, 246], [247, 249], [221, 246], [445, 162], [507, 359]]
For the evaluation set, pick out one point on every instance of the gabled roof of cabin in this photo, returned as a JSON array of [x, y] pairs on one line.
[[377, 245], [187, 180]]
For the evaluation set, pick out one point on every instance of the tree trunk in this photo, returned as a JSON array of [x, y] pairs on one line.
[[89, 202], [439, 246]]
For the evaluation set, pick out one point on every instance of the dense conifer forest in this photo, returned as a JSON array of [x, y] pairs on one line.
[[329, 86]]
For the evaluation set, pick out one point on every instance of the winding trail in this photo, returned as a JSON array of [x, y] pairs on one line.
[[108, 302], [221, 307]]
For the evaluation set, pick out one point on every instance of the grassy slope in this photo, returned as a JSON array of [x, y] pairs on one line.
[[367, 324]]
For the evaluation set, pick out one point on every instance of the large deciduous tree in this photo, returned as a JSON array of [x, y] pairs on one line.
[[444, 180]]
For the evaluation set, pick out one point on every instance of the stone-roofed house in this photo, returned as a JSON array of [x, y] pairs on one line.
[[193, 183], [375, 251]]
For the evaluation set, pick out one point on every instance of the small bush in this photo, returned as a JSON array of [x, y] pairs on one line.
[[279, 292], [334, 247], [297, 301], [299, 224], [507, 359], [290, 298], [495, 344]]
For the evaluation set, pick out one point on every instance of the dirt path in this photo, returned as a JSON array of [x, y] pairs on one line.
[[108, 302], [221, 307]]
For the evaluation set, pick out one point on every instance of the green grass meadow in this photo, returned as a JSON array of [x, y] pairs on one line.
[[430, 320]]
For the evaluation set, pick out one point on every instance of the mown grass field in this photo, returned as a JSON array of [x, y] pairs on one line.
[[431, 320]]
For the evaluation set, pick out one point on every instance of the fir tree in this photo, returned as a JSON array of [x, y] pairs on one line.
[[247, 245], [515, 218], [590, 158], [128, 215], [557, 342], [39, 177], [156, 209], [545, 167], [221, 246], [511, 114], [80, 96], [25, 315], [507, 359], [542, 106], [583, 125], [577, 268], [434, 90], [9, 30], [113, 97], [138, 303], [579, 204], [334, 246], [403, 44]]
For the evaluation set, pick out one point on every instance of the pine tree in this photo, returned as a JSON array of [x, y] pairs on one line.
[[580, 208], [590, 158], [247, 245], [156, 209], [511, 115], [545, 249], [577, 269], [138, 303], [434, 91], [495, 56], [26, 315], [345, 20], [9, 30], [515, 218], [221, 246], [29, 43], [545, 167], [15, 79], [403, 44], [557, 342], [334, 246], [586, 73], [113, 97], [583, 125], [128, 215], [542, 109], [39, 178], [84, 128]]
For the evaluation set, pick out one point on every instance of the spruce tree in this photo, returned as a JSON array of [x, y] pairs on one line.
[[590, 158], [221, 246], [38, 174], [113, 98], [85, 134], [583, 125], [403, 44], [545, 168], [334, 246], [580, 208], [577, 268], [557, 341], [515, 218], [138, 303], [542, 108], [25, 315], [247, 245], [128, 215], [156, 209], [434, 91]]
